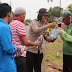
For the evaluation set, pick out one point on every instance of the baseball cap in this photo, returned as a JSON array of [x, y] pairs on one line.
[[19, 10], [65, 14], [43, 11]]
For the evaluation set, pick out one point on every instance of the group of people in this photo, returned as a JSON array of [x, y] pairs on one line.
[[19, 54]]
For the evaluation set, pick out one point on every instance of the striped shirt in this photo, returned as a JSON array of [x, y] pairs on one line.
[[18, 30]]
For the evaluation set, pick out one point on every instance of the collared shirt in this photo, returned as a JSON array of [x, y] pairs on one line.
[[6, 37], [7, 49], [35, 30], [18, 30], [67, 44]]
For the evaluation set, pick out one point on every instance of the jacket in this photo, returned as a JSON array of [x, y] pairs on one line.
[[7, 49]]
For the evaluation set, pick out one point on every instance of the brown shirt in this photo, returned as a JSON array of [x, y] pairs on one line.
[[35, 30]]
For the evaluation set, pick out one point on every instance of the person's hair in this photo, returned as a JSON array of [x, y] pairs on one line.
[[42, 12], [39, 17], [4, 10]]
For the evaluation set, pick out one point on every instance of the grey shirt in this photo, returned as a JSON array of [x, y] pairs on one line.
[[35, 30]]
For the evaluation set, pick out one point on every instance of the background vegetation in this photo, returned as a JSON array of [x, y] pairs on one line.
[[54, 55]]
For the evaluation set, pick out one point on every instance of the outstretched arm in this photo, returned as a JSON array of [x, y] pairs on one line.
[[64, 35]]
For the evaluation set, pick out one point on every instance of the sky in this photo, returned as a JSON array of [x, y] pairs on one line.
[[33, 6]]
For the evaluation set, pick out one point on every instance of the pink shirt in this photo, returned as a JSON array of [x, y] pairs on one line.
[[18, 30]]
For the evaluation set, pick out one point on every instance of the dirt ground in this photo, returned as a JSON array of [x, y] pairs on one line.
[[53, 59]]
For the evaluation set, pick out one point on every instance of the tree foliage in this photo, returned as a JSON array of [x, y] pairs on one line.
[[49, 0], [55, 11], [27, 21], [70, 8]]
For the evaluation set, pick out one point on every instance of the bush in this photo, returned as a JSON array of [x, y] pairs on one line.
[[26, 23]]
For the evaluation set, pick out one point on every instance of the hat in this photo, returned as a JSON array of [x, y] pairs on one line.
[[43, 11], [65, 14], [19, 10]]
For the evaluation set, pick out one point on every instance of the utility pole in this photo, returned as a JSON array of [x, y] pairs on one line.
[[0, 1], [10, 2], [60, 9]]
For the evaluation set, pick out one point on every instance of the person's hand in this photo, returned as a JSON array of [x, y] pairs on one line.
[[37, 43], [19, 50], [60, 30], [18, 54], [52, 25], [53, 40]]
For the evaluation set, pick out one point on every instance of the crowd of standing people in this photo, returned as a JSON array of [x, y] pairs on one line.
[[19, 54]]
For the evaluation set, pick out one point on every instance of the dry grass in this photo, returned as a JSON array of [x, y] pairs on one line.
[[54, 54]]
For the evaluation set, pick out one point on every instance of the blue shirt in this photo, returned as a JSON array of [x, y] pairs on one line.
[[7, 49]]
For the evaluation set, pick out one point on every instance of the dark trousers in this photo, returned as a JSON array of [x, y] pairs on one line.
[[67, 63], [33, 61], [21, 64]]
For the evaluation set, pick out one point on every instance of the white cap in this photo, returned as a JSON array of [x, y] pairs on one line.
[[19, 10]]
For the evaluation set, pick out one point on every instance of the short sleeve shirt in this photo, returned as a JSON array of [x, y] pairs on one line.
[[18, 30]]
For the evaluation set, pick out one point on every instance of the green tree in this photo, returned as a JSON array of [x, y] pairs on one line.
[[13, 14], [49, 0], [70, 8], [53, 12], [27, 21]]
